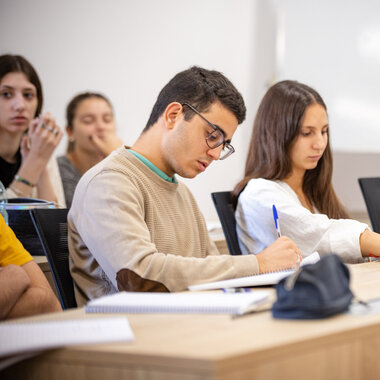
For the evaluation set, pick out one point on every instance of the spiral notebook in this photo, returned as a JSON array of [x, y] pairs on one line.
[[257, 280], [212, 302]]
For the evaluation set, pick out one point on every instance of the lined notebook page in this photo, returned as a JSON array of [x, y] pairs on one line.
[[16, 338], [257, 280], [134, 302]]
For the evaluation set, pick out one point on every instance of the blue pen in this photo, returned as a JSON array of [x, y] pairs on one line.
[[236, 290], [276, 222]]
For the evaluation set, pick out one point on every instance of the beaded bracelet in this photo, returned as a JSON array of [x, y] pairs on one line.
[[24, 181]]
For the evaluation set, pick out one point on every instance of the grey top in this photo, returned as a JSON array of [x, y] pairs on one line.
[[70, 177]]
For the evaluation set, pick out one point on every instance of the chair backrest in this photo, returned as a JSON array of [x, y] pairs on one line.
[[20, 221], [51, 226], [223, 204], [370, 188]]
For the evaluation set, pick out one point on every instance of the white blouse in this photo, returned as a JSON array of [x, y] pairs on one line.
[[311, 232]]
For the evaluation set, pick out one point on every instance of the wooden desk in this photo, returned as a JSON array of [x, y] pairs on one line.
[[175, 346]]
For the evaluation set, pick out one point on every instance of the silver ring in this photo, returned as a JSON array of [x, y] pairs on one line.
[[50, 129]]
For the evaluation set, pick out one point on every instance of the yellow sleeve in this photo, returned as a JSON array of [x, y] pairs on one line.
[[11, 249]]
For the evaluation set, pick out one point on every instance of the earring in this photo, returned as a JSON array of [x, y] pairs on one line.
[[71, 139]]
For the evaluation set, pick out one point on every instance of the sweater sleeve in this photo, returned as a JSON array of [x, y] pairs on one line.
[[112, 226], [310, 231]]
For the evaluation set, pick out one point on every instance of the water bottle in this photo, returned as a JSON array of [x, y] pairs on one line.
[[3, 202]]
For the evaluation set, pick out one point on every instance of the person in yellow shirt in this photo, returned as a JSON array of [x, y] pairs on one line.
[[24, 289]]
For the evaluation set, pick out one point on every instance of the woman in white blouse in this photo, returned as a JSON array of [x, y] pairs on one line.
[[289, 165]]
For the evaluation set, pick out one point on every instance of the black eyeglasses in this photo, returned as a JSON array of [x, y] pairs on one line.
[[216, 137]]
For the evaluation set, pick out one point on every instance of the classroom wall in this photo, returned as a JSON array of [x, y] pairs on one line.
[[334, 46], [348, 167], [129, 50]]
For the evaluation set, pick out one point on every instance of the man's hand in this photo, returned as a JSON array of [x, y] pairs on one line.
[[282, 254]]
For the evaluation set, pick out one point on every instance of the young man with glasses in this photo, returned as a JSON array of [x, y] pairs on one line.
[[133, 226]]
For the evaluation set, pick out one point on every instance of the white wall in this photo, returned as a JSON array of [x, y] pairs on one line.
[[129, 49], [348, 167], [334, 46]]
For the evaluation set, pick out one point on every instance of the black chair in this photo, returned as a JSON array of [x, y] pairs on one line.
[[20, 221], [51, 226], [370, 188], [226, 213]]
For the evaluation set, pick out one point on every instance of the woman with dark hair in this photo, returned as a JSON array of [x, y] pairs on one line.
[[91, 129], [27, 139], [289, 165]]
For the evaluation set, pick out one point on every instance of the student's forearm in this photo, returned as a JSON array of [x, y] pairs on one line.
[[45, 188], [31, 171], [32, 168], [13, 283], [39, 298], [35, 301], [370, 243]]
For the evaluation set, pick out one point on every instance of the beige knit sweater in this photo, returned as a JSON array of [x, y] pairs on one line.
[[131, 230]]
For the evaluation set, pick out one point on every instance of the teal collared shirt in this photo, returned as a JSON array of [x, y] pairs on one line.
[[153, 167]]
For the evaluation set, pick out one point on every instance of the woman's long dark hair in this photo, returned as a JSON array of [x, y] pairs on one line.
[[18, 64], [277, 125]]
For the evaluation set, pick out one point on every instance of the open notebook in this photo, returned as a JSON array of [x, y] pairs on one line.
[[257, 280], [212, 302]]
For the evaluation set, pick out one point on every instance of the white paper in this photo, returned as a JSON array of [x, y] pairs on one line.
[[17, 338], [257, 280]]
